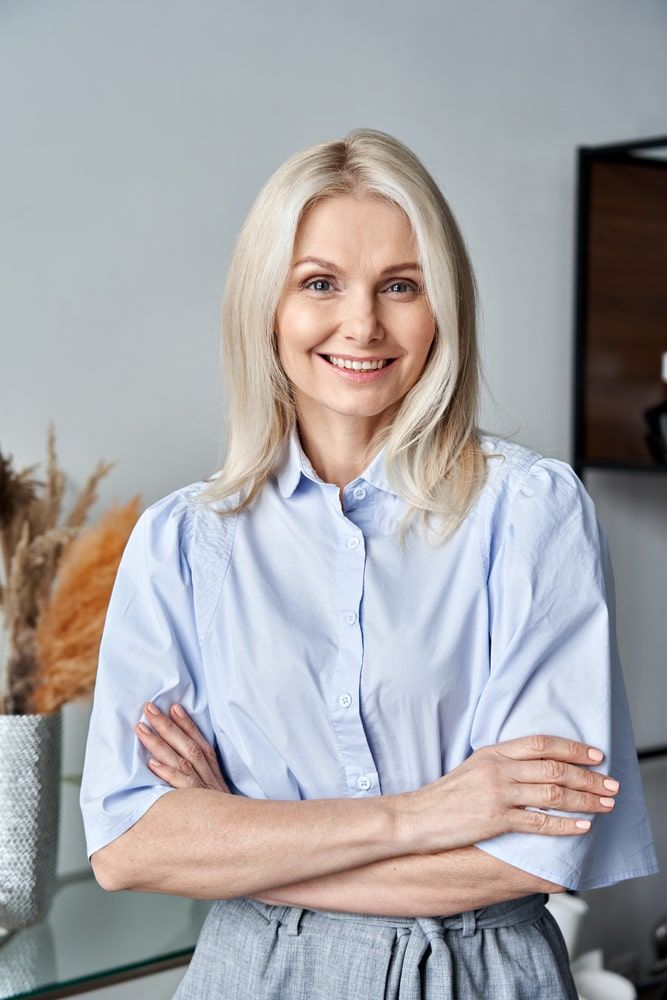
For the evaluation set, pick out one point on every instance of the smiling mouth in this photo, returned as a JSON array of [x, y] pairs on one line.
[[387, 362]]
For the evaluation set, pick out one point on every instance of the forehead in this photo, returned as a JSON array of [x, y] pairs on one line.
[[351, 227]]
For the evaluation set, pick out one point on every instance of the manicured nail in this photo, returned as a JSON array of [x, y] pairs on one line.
[[583, 824], [611, 784], [178, 710], [144, 728], [150, 707], [595, 754], [155, 763]]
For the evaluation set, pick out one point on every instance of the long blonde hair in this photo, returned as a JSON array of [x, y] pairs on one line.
[[433, 453]]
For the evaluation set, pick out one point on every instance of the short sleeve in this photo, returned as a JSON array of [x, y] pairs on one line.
[[149, 651], [555, 669]]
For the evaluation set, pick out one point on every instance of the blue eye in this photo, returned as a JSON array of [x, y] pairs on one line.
[[317, 281]]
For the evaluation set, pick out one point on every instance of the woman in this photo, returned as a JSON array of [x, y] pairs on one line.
[[390, 635]]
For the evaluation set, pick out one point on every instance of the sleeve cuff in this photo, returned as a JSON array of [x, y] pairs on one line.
[[570, 877], [105, 832]]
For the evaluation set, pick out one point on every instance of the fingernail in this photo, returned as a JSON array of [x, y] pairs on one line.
[[595, 754], [155, 763], [144, 728], [178, 710], [611, 784], [150, 707]]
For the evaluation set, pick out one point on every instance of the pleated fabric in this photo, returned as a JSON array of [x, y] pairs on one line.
[[249, 950]]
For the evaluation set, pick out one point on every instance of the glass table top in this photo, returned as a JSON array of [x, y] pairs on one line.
[[92, 936]]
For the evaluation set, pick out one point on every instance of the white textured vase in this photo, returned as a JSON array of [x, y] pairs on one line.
[[30, 750]]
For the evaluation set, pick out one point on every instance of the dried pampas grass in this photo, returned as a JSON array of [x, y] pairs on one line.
[[70, 627], [33, 548]]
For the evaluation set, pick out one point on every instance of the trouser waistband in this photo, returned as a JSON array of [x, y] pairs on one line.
[[504, 914]]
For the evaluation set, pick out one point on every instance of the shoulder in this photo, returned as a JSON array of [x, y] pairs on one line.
[[166, 526], [518, 470], [531, 495], [183, 514], [181, 535]]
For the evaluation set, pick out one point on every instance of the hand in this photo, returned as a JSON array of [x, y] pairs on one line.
[[488, 793], [184, 758]]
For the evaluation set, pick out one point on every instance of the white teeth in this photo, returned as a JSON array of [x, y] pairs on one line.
[[356, 365]]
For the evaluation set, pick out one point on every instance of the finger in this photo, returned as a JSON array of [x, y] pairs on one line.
[[173, 775], [171, 746], [165, 756], [190, 728], [540, 745], [527, 821], [561, 773], [558, 797], [190, 752]]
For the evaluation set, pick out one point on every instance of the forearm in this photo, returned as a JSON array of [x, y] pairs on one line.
[[464, 878], [201, 844]]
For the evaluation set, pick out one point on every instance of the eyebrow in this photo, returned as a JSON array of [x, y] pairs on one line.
[[408, 266]]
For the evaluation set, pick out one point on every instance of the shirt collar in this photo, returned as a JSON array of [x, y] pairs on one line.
[[295, 463]]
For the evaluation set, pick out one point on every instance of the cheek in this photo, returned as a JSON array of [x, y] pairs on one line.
[[295, 352], [414, 326], [300, 327], [425, 339], [418, 342]]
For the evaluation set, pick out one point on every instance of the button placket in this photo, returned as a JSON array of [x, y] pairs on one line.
[[355, 754]]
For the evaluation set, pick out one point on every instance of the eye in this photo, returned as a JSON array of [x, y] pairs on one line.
[[406, 284], [316, 281]]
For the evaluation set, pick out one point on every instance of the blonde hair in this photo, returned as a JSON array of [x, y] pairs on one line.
[[433, 455]]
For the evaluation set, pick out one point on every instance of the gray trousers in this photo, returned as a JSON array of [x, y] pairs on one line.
[[249, 950]]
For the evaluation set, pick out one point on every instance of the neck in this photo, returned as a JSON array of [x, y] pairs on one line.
[[337, 449]]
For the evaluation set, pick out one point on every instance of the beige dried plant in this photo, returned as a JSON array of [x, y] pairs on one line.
[[70, 626], [33, 545]]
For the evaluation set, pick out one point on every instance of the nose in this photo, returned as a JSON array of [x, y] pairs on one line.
[[360, 322]]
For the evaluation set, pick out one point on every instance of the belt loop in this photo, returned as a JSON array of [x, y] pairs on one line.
[[469, 923], [291, 919]]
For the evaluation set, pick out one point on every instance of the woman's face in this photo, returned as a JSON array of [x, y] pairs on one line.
[[363, 299]]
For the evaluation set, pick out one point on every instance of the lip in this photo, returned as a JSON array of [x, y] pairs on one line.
[[357, 376]]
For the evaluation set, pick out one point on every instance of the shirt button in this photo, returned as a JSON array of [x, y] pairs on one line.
[[350, 617], [352, 543], [364, 782], [358, 493], [345, 700]]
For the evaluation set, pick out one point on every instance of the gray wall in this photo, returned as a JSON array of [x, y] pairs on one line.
[[135, 135]]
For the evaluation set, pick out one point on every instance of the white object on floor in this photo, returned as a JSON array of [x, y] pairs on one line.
[[589, 960], [569, 912], [599, 984]]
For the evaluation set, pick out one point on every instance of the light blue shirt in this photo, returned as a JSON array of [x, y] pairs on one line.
[[322, 662]]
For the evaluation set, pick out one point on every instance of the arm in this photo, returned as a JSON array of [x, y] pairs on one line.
[[464, 878], [333, 854], [199, 843], [214, 845]]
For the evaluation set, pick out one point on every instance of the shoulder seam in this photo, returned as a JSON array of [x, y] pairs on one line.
[[564, 473], [519, 460], [216, 534]]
